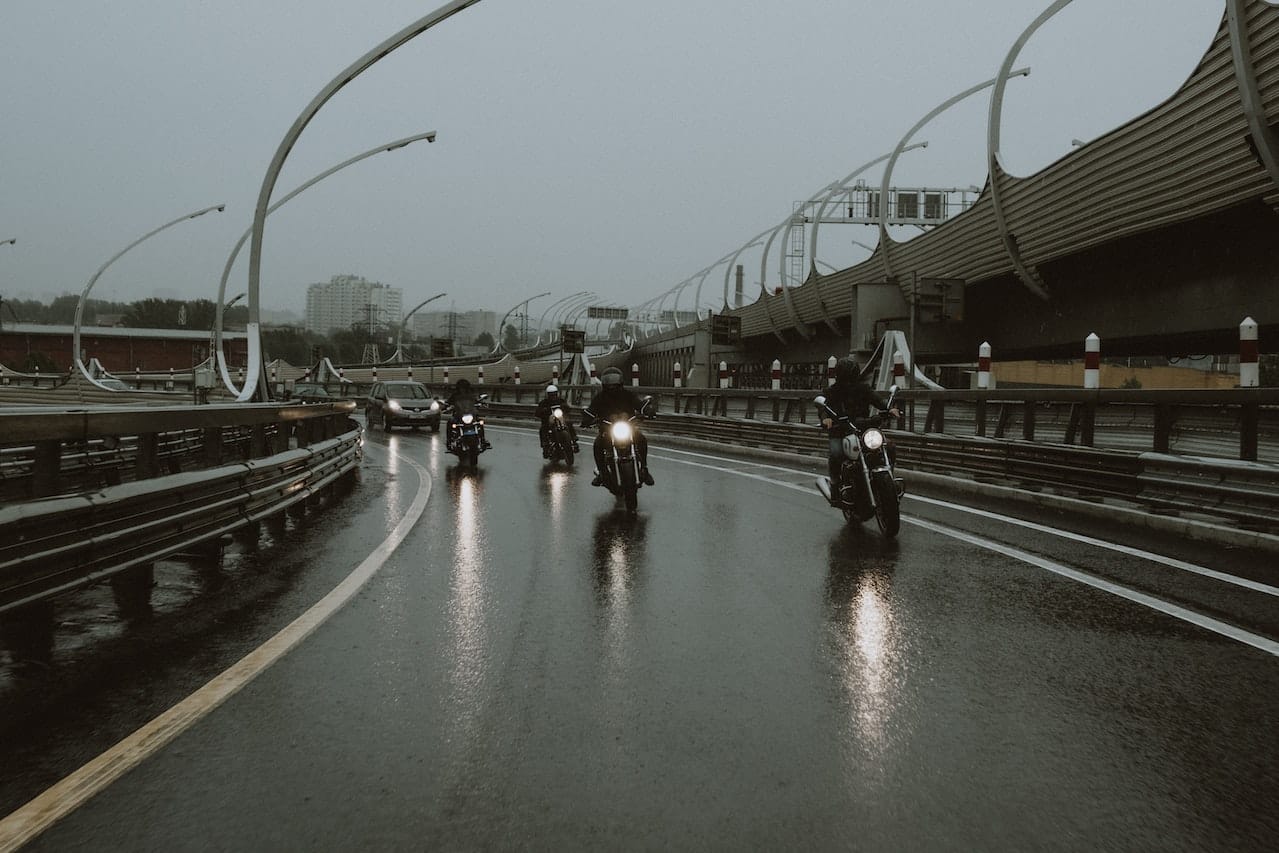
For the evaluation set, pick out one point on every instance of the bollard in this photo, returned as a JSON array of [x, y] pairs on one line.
[[1249, 372], [635, 374], [137, 377], [480, 376], [777, 374], [168, 386], [275, 381], [375, 374], [36, 380], [555, 375], [830, 370], [517, 374], [341, 377], [1092, 361], [410, 373], [593, 376], [983, 365], [446, 374], [723, 374], [678, 374]]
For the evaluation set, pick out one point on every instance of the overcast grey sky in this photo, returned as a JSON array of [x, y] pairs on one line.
[[610, 145]]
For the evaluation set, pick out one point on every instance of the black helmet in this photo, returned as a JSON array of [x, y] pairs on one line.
[[612, 376], [847, 369], [463, 385]]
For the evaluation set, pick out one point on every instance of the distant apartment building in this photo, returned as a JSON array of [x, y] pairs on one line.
[[460, 326], [347, 300]]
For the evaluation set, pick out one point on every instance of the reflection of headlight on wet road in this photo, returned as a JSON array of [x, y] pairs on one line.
[[466, 419], [621, 431], [873, 439]]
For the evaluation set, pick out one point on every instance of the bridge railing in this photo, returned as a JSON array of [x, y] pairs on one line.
[[91, 493]]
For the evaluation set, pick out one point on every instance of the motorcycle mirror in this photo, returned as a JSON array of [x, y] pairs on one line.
[[892, 389], [483, 397], [820, 399]]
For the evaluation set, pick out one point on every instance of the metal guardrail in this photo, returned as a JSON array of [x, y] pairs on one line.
[[1241, 492], [108, 489]]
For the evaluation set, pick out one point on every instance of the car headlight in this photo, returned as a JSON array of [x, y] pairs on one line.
[[557, 413], [435, 407], [394, 407], [873, 439], [466, 419], [621, 431]]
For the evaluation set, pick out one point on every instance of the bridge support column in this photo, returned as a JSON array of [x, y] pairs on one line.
[[131, 590]]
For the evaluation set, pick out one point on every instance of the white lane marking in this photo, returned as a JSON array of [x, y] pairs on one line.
[[1150, 556], [28, 821], [1216, 626]]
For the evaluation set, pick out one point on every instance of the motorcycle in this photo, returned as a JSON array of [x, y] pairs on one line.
[[465, 435], [868, 485], [560, 442], [621, 473]]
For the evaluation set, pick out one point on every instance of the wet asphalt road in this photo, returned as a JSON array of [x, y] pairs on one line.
[[732, 669]]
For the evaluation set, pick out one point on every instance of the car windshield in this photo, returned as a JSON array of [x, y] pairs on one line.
[[407, 392]]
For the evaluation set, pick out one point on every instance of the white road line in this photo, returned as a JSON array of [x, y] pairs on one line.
[[1216, 626], [70, 793], [1150, 556]]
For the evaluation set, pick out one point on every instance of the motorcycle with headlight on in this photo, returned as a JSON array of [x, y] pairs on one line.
[[621, 471], [868, 486], [466, 437], [560, 440]]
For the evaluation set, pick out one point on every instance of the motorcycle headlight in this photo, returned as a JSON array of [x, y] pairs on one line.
[[394, 407], [466, 419], [621, 431], [557, 413], [873, 439]]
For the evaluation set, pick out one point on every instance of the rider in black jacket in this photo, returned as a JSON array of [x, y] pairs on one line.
[[614, 401], [551, 401], [463, 402], [852, 397]]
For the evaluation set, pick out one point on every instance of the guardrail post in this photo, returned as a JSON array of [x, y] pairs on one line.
[[257, 442], [280, 439], [935, 420], [1249, 416], [677, 375], [1089, 421], [1028, 420], [517, 375], [131, 590], [750, 407], [212, 446], [635, 379], [1164, 416], [979, 416], [45, 468], [777, 377], [1092, 361], [983, 366], [147, 463]]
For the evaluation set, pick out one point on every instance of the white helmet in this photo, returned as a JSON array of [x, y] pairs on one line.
[[551, 389]]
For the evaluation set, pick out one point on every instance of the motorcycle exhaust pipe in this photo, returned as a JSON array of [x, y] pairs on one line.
[[823, 486]]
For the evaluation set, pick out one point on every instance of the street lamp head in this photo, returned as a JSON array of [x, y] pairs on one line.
[[12, 241], [430, 137]]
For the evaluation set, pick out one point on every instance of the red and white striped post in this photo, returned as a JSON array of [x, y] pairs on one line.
[[555, 375], [410, 372], [1249, 372], [634, 374], [830, 370], [480, 375], [168, 386], [341, 377], [446, 374], [275, 376], [517, 374], [777, 374], [594, 375], [723, 374], [1092, 361], [37, 377], [899, 370], [375, 374], [679, 376], [983, 365]]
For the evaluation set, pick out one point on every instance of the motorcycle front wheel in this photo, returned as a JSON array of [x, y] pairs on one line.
[[887, 508], [567, 450]]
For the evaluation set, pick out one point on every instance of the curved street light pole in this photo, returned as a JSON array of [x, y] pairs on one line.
[[255, 379], [732, 261], [541, 321], [79, 309], [399, 339], [561, 317], [501, 327], [11, 241], [429, 136]]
